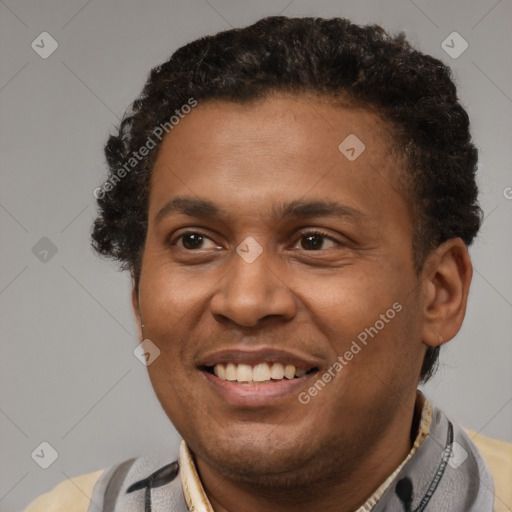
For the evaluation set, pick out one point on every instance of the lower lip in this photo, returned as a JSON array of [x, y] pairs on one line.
[[257, 395]]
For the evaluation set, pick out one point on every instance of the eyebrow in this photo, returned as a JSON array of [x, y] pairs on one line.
[[297, 209]]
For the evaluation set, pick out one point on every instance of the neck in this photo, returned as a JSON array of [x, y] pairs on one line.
[[343, 490]]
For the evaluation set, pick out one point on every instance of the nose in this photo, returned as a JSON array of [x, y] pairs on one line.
[[250, 292]]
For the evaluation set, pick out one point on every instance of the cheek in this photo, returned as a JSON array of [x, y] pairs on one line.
[[169, 297], [367, 319], [346, 303], [388, 350], [168, 307]]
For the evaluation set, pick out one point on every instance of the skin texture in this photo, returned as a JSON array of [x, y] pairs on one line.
[[248, 160]]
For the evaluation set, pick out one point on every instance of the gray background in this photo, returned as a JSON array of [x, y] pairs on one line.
[[68, 373]]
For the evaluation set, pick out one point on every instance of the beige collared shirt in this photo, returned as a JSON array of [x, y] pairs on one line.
[[75, 494], [197, 501]]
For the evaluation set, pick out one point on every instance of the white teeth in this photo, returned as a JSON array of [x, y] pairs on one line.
[[220, 371], [230, 371], [263, 372], [289, 371], [277, 371], [300, 372], [243, 373]]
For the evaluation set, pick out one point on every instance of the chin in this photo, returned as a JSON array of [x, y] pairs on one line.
[[276, 470], [258, 456]]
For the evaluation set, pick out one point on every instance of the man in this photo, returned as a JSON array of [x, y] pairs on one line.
[[294, 201]]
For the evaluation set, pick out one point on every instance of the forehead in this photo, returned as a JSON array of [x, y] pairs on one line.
[[285, 146], [280, 123]]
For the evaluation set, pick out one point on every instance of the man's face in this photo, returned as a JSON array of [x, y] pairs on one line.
[[249, 285]]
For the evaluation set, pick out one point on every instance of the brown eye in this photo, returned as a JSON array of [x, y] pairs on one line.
[[314, 241], [193, 240]]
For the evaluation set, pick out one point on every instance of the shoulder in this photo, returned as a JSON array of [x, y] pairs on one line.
[[121, 485], [71, 495], [498, 455]]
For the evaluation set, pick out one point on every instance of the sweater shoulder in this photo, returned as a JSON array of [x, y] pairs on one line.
[[498, 455], [71, 495]]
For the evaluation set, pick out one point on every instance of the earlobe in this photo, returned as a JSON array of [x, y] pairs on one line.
[[446, 280], [136, 313]]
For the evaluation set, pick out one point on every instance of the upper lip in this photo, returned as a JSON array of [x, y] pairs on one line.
[[258, 355]]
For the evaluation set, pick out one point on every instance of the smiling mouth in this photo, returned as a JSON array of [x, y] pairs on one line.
[[262, 373]]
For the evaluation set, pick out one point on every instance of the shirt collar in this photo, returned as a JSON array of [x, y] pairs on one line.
[[425, 407], [193, 490], [196, 498]]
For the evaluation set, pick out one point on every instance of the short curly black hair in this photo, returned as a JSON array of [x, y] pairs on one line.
[[412, 92]]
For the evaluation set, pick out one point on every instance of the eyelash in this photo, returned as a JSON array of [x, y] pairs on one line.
[[302, 234]]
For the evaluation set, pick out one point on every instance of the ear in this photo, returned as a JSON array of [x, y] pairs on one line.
[[136, 311], [446, 279]]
